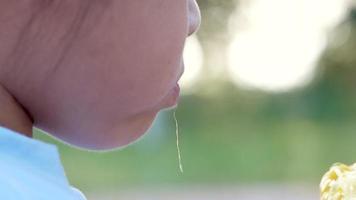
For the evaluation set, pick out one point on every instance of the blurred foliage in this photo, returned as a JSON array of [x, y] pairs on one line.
[[240, 136], [213, 33], [215, 15]]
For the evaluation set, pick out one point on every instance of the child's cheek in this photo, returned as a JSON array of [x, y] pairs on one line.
[[141, 51], [116, 73]]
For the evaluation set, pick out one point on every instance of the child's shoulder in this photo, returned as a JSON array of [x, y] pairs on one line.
[[31, 169]]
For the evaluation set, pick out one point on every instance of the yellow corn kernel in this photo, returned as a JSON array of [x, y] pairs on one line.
[[339, 183]]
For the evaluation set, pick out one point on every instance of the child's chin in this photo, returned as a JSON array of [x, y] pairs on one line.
[[119, 137]]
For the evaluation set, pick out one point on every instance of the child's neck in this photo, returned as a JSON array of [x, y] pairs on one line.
[[13, 115]]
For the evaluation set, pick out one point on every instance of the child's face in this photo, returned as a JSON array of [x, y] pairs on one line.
[[115, 78]]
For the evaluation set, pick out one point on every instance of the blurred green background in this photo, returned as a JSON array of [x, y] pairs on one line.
[[240, 132]]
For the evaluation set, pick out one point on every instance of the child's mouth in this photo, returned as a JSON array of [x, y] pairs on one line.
[[172, 98]]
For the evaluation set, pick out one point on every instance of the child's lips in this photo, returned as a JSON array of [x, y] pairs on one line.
[[172, 98]]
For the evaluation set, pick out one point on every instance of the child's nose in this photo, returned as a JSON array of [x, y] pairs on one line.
[[194, 17]]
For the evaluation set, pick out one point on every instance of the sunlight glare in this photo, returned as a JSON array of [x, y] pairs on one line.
[[193, 59], [277, 43]]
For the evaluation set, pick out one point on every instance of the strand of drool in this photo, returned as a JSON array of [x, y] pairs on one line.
[[178, 149]]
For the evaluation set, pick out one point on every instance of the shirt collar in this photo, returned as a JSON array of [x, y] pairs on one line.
[[38, 155]]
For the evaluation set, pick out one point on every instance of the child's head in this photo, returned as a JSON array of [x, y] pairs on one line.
[[94, 73]]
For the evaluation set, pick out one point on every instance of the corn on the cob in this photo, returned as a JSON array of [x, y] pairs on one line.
[[339, 183]]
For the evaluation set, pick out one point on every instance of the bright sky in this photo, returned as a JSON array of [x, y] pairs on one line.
[[277, 42]]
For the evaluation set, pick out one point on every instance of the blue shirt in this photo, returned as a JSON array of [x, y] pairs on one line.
[[32, 170]]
